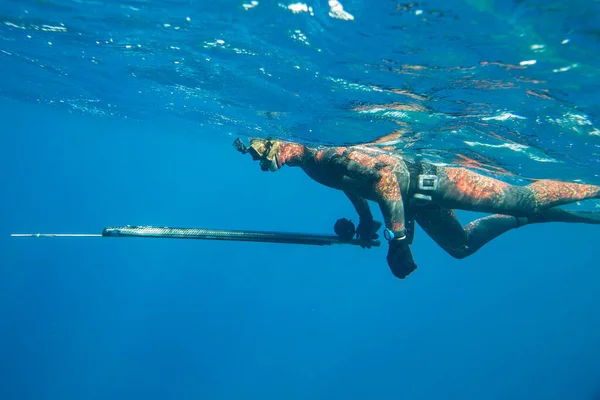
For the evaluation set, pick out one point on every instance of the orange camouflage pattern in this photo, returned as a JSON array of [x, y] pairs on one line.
[[387, 189], [474, 185], [362, 158], [290, 153], [550, 193]]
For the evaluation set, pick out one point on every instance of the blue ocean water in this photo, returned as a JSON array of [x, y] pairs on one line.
[[121, 113]]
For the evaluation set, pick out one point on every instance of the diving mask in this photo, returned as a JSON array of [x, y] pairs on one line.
[[264, 151]]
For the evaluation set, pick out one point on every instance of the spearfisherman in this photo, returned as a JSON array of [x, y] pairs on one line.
[[408, 190]]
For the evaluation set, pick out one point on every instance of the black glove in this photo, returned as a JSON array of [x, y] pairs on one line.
[[400, 258], [367, 231]]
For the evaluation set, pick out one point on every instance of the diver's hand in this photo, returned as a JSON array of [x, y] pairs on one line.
[[367, 231], [400, 259]]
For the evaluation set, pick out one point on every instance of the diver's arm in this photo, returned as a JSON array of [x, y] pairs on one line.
[[367, 227], [393, 216], [399, 256], [391, 204], [361, 206]]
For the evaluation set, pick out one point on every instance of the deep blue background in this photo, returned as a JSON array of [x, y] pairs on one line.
[[123, 113], [103, 318]]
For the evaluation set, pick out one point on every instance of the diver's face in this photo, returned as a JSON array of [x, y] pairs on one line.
[[257, 148], [265, 152]]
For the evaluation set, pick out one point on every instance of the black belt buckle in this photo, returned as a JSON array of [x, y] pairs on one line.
[[428, 182]]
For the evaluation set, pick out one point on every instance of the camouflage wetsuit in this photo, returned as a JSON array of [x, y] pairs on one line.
[[407, 191]]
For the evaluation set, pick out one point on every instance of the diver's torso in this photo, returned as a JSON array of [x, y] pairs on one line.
[[327, 167]]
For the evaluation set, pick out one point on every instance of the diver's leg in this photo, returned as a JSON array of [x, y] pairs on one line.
[[460, 188], [483, 230], [446, 230], [559, 215]]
